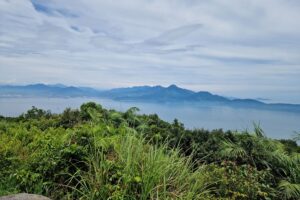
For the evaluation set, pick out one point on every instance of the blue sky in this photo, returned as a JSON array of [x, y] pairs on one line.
[[241, 48]]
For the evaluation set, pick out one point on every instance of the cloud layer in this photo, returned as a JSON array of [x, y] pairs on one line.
[[237, 48]]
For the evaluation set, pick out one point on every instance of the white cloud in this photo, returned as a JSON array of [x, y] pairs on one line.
[[236, 46]]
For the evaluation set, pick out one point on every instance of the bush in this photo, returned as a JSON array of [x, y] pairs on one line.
[[94, 153]]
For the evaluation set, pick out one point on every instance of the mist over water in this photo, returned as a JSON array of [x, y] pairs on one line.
[[276, 124]]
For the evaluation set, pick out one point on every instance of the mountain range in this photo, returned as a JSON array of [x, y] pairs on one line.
[[153, 94]]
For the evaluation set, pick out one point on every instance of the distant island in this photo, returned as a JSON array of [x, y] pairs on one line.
[[151, 94]]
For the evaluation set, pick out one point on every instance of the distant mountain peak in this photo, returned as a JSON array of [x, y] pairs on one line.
[[58, 85], [204, 92], [173, 86]]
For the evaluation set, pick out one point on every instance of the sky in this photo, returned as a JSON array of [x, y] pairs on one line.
[[236, 48]]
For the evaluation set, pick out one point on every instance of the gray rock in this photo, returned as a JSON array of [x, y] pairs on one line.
[[24, 196]]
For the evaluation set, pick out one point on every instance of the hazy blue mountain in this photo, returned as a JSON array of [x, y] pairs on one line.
[[42, 90], [161, 94], [154, 94]]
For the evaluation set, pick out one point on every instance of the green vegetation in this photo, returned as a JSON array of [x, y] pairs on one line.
[[94, 153]]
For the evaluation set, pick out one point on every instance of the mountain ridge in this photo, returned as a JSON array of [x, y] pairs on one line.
[[154, 94]]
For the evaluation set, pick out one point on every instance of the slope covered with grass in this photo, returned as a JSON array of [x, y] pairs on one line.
[[94, 153]]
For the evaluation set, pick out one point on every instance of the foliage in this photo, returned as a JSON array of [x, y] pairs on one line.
[[95, 153]]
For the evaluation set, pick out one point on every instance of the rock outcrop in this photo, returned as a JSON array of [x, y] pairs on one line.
[[24, 196]]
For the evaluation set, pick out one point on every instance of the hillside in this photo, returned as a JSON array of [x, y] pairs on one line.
[[94, 153]]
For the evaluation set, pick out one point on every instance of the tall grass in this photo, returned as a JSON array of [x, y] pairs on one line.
[[126, 167]]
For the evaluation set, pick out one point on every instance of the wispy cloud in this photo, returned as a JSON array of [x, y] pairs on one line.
[[237, 48]]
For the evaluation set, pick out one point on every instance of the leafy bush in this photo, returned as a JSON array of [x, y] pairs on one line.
[[94, 153]]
